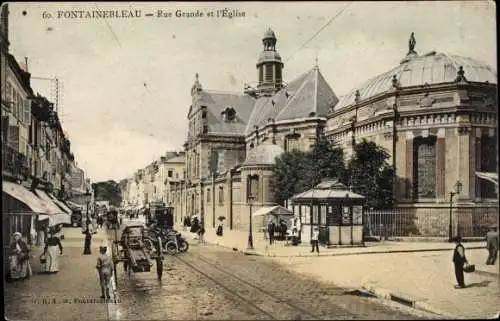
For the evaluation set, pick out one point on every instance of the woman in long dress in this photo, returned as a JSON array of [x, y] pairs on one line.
[[19, 258], [52, 245]]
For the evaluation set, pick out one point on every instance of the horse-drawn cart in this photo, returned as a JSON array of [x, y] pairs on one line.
[[134, 255]]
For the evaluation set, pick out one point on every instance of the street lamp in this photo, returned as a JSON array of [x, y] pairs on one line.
[[88, 236], [458, 189], [250, 236]]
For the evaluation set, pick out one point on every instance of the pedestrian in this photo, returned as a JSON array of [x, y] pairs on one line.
[[105, 268], [271, 227], [19, 258], [50, 256], [459, 260], [492, 245], [88, 241], [201, 233], [314, 240]]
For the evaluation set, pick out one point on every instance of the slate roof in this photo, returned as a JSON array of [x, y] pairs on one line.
[[216, 102], [431, 68], [263, 154], [309, 93]]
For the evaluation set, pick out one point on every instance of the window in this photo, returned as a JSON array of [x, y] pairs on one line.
[[253, 187], [315, 214], [323, 215], [357, 215], [424, 169], [261, 74], [269, 72], [346, 215], [488, 152], [170, 173], [8, 95], [221, 196], [305, 214]]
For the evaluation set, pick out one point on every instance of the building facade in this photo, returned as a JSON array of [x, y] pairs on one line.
[[36, 153], [152, 183], [435, 114]]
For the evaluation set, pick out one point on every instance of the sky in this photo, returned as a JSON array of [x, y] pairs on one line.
[[124, 83]]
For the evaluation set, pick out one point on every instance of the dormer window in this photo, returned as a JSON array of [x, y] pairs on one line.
[[228, 114]]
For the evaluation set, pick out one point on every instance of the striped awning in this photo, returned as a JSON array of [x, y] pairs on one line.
[[56, 215], [63, 206], [25, 196]]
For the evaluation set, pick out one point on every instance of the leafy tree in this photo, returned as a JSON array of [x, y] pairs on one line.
[[290, 170], [370, 175], [327, 160], [297, 171], [108, 191]]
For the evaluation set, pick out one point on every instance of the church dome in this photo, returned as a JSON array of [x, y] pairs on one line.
[[264, 154], [429, 69]]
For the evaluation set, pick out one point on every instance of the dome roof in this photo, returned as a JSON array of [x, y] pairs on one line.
[[264, 154], [269, 55], [431, 68], [269, 34]]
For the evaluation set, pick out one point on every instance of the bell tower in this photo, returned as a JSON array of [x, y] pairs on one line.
[[269, 66]]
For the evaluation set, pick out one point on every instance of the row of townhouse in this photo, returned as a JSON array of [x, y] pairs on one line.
[[37, 162], [152, 183]]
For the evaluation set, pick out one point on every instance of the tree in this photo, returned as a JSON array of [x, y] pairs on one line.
[[108, 191], [297, 171], [290, 170], [370, 175], [327, 160]]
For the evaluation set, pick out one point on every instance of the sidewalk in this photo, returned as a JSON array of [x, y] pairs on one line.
[[239, 240], [71, 294], [417, 274]]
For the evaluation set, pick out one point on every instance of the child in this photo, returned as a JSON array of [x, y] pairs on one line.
[[105, 268]]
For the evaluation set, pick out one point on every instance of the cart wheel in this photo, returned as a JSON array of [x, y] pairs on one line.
[[159, 268]]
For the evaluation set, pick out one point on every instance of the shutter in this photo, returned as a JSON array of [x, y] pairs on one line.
[[5, 128], [14, 137], [27, 111]]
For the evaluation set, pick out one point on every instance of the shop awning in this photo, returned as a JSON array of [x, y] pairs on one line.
[[74, 205], [63, 206], [273, 210], [56, 215], [25, 196], [489, 176]]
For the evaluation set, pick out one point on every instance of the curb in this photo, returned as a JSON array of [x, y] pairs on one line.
[[406, 300]]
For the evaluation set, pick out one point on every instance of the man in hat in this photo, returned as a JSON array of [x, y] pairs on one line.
[[105, 268], [459, 260], [492, 245]]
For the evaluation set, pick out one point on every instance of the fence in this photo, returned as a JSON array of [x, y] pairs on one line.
[[430, 221]]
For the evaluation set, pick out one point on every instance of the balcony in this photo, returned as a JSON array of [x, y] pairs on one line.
[[14, 163]]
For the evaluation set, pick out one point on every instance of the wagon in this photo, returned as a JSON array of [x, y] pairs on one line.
[[128, 247]]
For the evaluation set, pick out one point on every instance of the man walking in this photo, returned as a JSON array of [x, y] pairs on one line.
[[314, 240], [492, 245], [459, 260], [270, 231]]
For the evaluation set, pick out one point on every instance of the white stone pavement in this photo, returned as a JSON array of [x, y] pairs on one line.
[[421, 273]]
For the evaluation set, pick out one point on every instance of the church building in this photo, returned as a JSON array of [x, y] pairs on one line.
[[436, 114]]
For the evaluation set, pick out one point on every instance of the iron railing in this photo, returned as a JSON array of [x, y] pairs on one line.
[[470, 221]]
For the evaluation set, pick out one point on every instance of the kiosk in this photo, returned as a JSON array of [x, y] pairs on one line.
[[336, 211]]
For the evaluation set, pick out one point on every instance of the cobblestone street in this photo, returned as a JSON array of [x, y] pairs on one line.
[[207, 283]]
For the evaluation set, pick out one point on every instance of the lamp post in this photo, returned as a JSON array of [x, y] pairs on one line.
[[458, 189], [250, 235], [88, 236]]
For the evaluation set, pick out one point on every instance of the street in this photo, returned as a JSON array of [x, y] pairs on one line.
[[207, 283]]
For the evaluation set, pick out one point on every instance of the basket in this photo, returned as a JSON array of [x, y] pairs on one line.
[[469, 268], [43, 259]]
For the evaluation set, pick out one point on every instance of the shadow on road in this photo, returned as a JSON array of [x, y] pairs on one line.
[[482, 284]]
